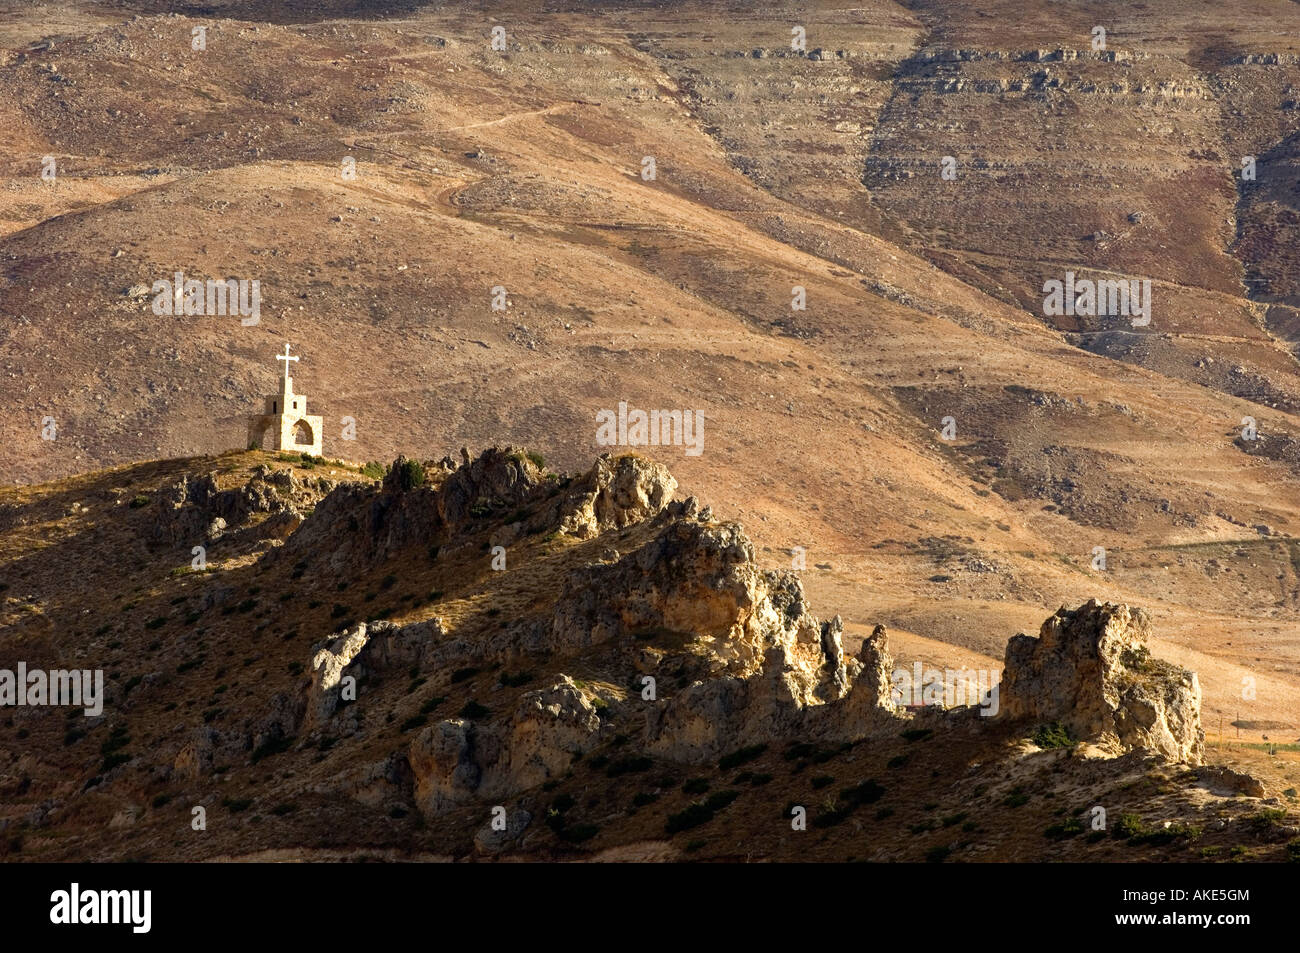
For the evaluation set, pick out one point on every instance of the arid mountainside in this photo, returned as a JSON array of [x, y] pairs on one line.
[[383, 667], [521, 169], [490, 224]]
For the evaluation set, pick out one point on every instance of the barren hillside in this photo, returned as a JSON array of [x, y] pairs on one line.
[[388, 177]]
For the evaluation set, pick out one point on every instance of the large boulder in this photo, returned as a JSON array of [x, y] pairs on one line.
[[457, 761], [495, 480], [615, 493], [1090, 670]]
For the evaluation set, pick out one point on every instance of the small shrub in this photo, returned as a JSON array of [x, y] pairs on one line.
[[741, 756], [799, 749], [1054, 735], [415, 721], [866, 792], [720, 799], [1129, 826], [1063, 830], [937, 855], [578, 833], [411, 475], [693, 816]]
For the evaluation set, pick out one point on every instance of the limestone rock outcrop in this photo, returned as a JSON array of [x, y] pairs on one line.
[[195, 508], [359, 651], [1090, 669], [615, 493], [362, 524], [459, 760]]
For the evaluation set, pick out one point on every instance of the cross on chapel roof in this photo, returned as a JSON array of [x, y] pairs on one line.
[[288, 381]]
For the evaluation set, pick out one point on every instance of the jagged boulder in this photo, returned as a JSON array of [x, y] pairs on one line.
[[363, 649], [459, 760], [549, 728], [492, 839], [444, 768], [183, 509], [692, 577], [1090, 669], [615, 493], [787, 699], [496, 479], [329, 661], [196, 508]]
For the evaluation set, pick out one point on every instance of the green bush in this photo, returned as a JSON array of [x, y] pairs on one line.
[[741, 756], [720, 799], [411, 475], [1054, 735], [866, 792], [578, 833], [1016, 798], [1129, 826], [693, 816], [1061, 831]]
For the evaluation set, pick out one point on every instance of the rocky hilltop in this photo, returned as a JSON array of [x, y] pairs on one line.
[[485, 658]]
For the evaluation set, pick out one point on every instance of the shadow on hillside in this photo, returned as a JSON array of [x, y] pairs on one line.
[[279, 12]]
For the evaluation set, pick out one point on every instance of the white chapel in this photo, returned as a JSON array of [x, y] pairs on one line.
[[285, 423]]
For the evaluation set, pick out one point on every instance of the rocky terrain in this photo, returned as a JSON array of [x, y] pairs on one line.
[[466, 246], [486, 659]]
